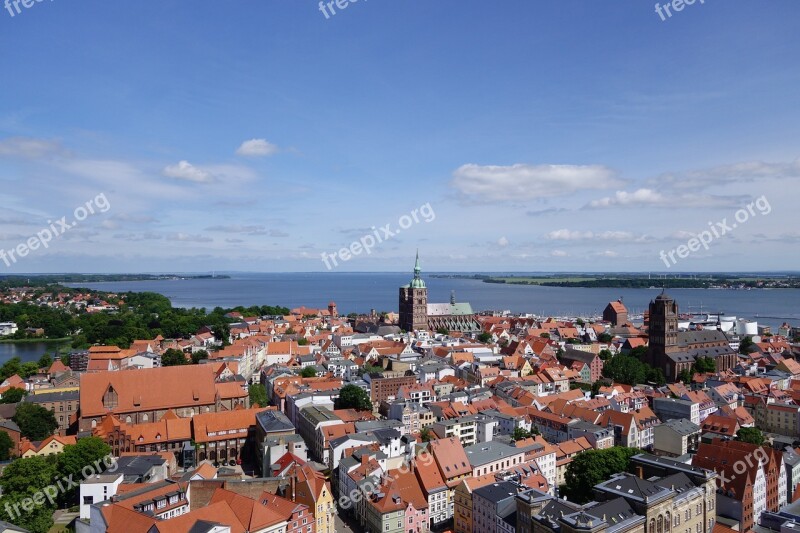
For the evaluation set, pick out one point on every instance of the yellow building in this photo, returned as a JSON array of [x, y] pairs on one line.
[[462, 511], [50, 446]]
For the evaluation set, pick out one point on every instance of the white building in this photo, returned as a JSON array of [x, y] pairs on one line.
[[98, 488]]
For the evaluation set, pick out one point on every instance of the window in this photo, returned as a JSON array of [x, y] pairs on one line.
[[88, 500]]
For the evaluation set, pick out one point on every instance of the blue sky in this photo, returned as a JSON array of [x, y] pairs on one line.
[[546, 136]]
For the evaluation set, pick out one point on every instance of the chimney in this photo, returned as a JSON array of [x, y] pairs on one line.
[[640, 472]]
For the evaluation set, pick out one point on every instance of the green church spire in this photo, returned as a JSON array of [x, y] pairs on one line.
[[417, 282]]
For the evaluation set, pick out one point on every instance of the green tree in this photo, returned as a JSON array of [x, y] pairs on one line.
[[656, 375], [751, 435], [173, 357], [640, 353], [747, 345], [29, 475], [308, 372], [258, 395], [623, 368], [520, 433], [369, 369], [38, 520], [11, 367], [34, 421], [88, 451], [28, 369], [13, 395], [605, 338], [198, 356], [485, 338], [443, 331], [426, 435], [685, 376], [302, 341], [605, 355], [705, 364], [591, 467], [544, 335], [353, 397], [5, 446], [45, 361]]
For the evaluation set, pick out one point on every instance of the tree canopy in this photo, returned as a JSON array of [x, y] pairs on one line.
[[625, 368], [353, 397], [308, 372], [173, 357], [258, 395], [751, 435], [34, 421], [13, 395], [5, 446], [591, 467]]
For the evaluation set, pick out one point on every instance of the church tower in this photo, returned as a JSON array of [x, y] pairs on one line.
[[414, 302], [663, 332]]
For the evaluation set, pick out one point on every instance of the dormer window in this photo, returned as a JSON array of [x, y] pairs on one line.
[[110, 398]]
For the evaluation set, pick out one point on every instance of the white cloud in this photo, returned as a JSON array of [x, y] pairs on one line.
[[135, 237], [559, 253], [185, 237], [502, 242], [29, 148], [256, 148], [607, 253], [186, 171], [529, 182], [666, 199], [641, 196], [235, 228], [617, 236]]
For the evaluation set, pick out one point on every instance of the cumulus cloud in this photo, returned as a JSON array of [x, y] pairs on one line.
[[256, 148], [188, 172], [530, 182], [502, 242], [559, 253]]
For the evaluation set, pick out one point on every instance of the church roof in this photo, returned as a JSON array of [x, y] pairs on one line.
[[450, 309]]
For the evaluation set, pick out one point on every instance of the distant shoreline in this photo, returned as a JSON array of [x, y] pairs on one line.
[[36, 340], [104, 278], [636, 282]]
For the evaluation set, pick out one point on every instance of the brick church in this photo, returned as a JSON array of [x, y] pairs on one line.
[[674, 351], [416, 314]]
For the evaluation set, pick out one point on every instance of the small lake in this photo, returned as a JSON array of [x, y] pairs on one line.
[[30, 351]]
